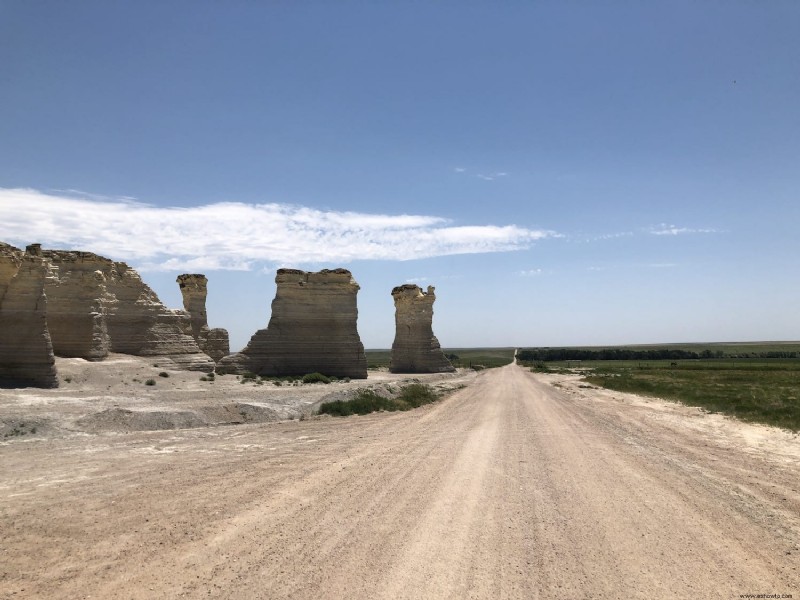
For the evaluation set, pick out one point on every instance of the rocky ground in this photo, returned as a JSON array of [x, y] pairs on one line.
[[113, 396]]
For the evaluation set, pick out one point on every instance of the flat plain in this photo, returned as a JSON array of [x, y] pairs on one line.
[[518, 485]]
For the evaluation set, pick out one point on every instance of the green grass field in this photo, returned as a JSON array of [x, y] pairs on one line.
[[761, 392], [467, 357], [728, 349], [740, 383]]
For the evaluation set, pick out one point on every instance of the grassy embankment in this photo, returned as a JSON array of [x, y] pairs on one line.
[[738, 381], [367, 401]]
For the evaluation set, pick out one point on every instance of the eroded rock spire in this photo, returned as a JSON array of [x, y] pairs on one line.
[[194, 289], [312, 329], [415, 348]]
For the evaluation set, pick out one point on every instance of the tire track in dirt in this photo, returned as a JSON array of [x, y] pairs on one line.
[[509, 488]]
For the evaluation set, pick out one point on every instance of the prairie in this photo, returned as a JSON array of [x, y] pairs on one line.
[[740, 380]]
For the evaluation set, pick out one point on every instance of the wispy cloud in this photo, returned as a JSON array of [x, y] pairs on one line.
[[630, 266], [664, 229], [492, 176], [529, 273], [238, 236], [612, 236], [489, 176]]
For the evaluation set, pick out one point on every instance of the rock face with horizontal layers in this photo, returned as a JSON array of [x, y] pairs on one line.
[[96, 306], [76, 300], [312, 329], [415, 348], [26, 352], [138, 323], [10, 260], [214, 342]]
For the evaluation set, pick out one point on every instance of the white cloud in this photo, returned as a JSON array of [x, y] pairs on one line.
[[238, 236], [611, 236], [489, 176], [664, 229], [530, 272], [492, 176]]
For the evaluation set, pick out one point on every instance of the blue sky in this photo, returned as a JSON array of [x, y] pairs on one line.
[[563, 172]]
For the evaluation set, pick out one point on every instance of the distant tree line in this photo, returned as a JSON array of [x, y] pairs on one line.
[[547, 354], [561, 354]]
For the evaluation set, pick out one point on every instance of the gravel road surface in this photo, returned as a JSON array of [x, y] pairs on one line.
[[508, 488]]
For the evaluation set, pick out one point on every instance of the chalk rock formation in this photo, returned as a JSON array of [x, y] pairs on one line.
[[26, 352], [214, 342], [97, 305], [312, 329], [76, 299], [10, 260], [138, 323], [415, 348]]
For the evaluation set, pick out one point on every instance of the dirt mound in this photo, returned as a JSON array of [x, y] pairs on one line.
[[15, 427], [123, 420]]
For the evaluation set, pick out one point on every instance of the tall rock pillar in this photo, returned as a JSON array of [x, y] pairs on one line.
[[312, 329], [194, 289], [26, 352], [415, 348]]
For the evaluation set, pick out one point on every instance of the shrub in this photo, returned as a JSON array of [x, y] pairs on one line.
[[418, 394], [204, 378], [315, 378], [364, 402], [150, 382], [163, 374], [367, 401], [249, 375]]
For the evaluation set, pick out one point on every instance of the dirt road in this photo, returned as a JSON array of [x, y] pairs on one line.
[[509, 488]]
